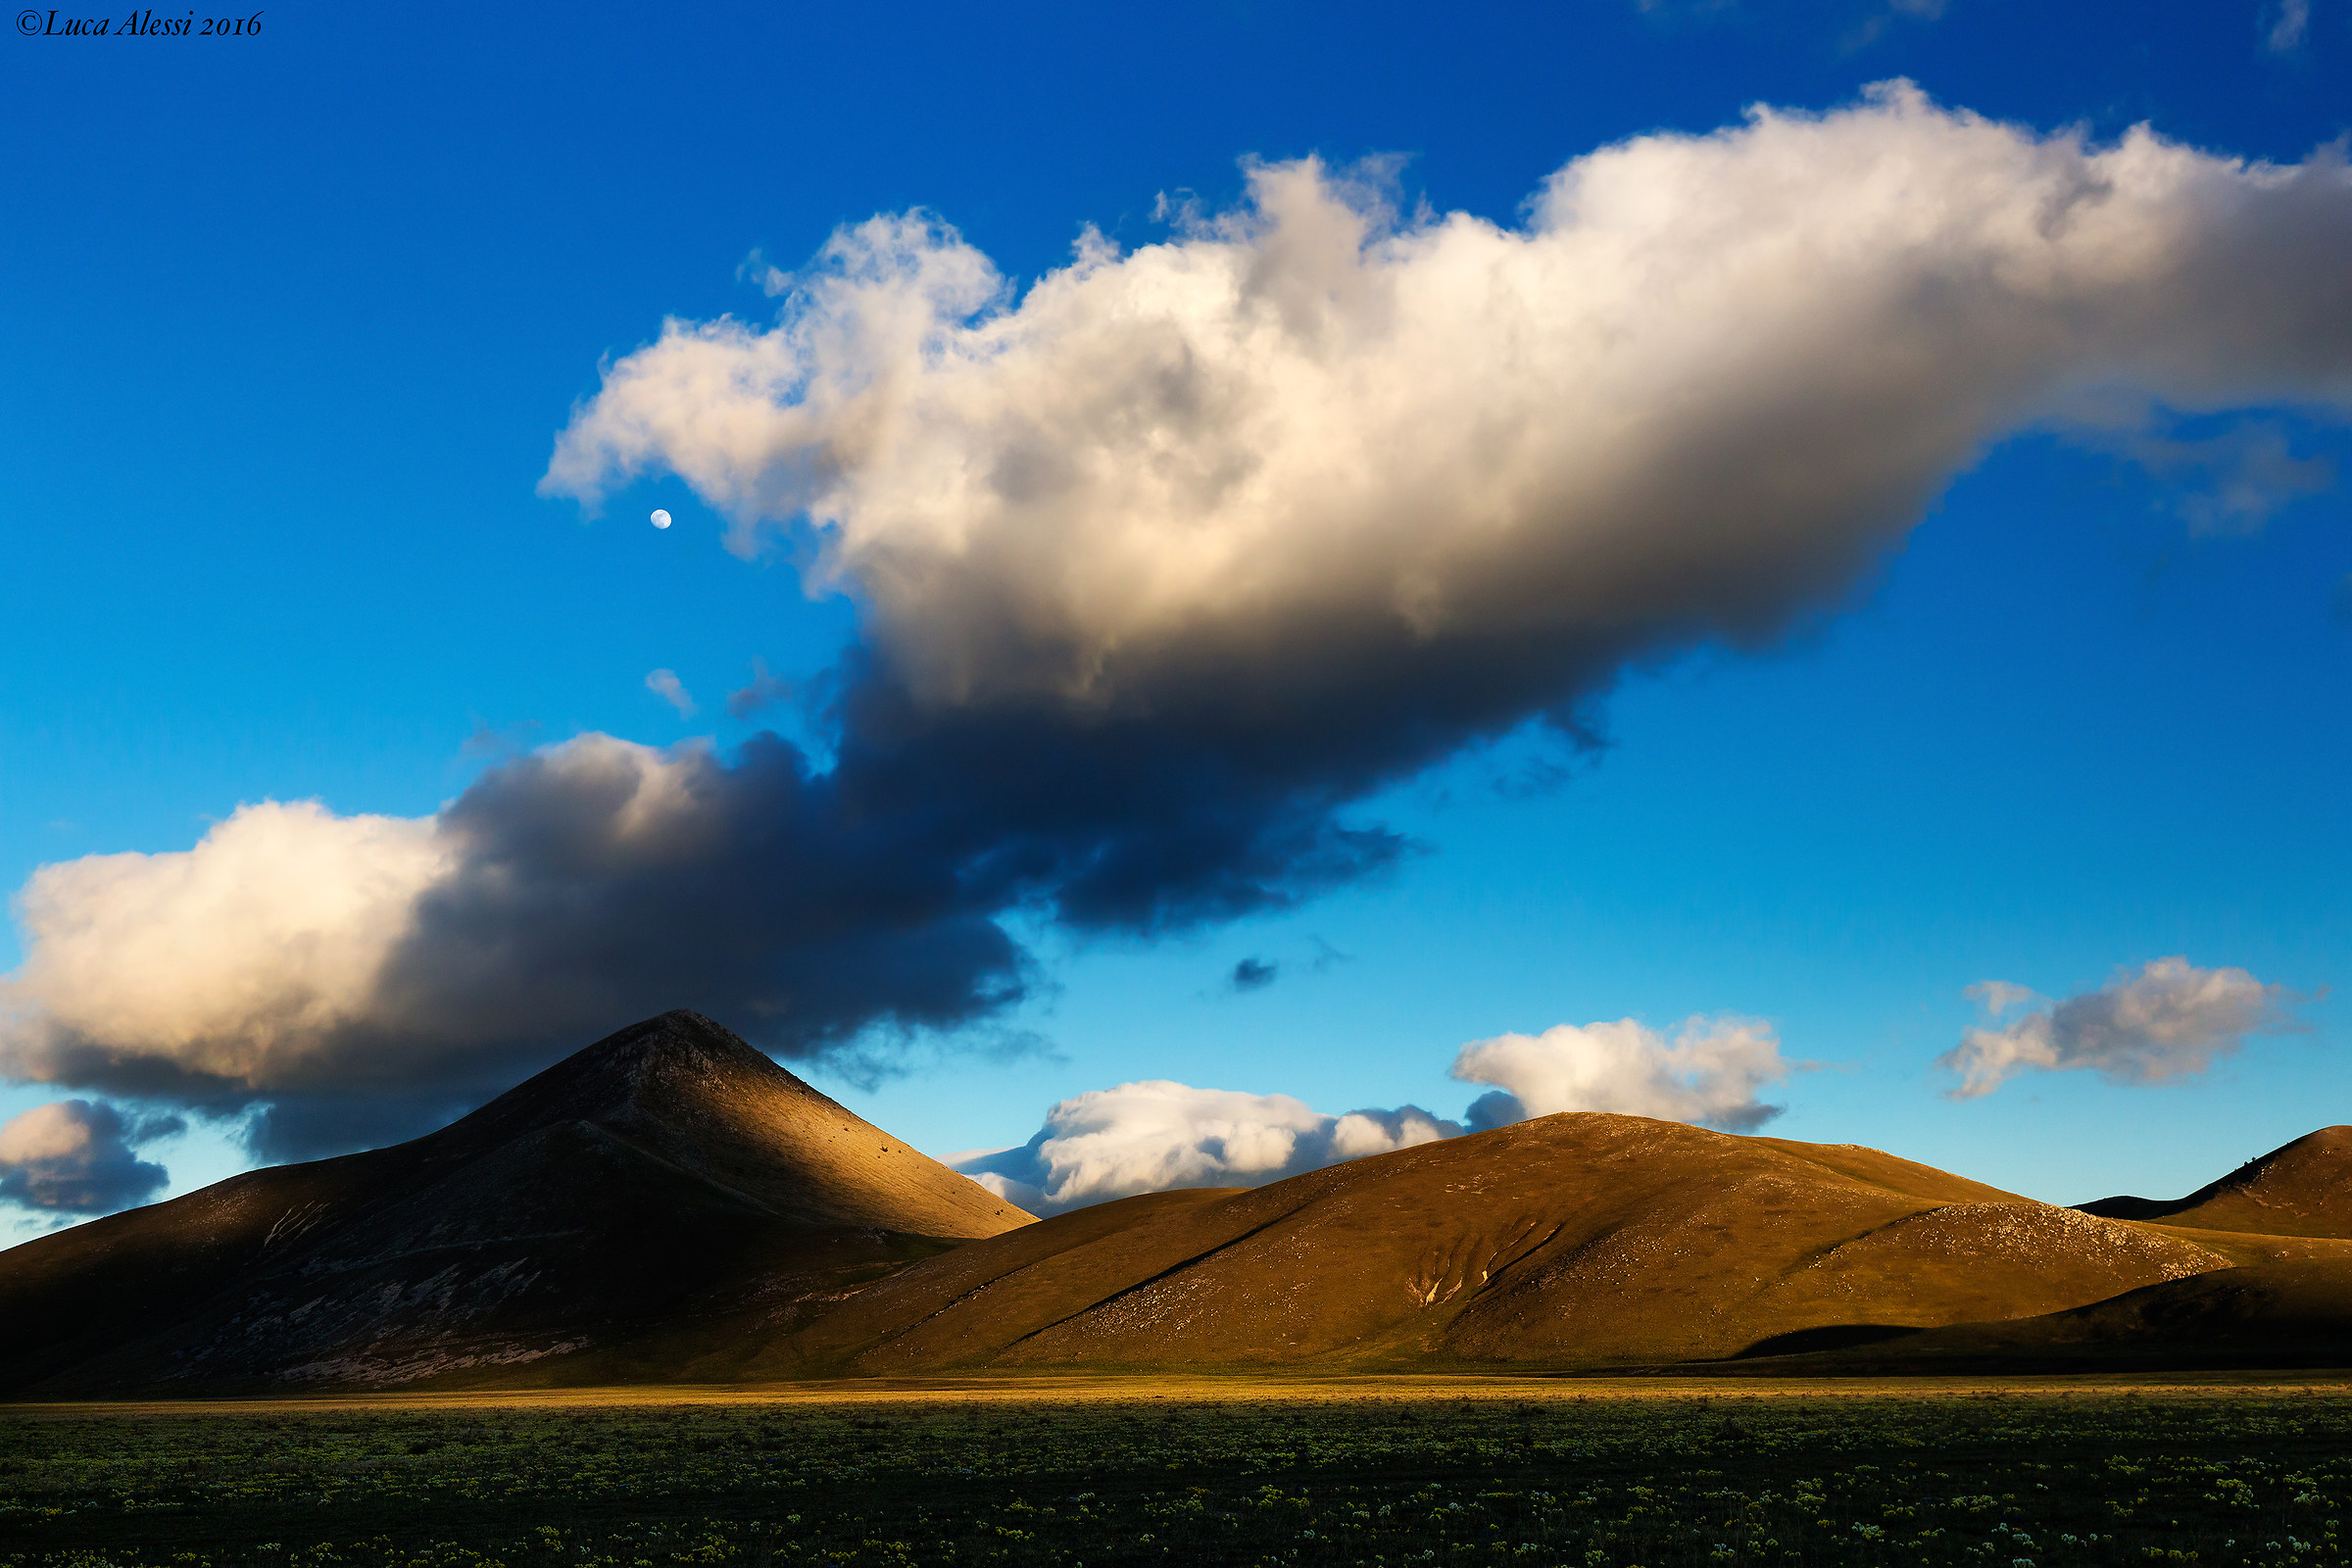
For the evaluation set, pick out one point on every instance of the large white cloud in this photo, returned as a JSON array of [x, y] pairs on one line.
[[1704, 388], [1156, 1136], [1167, 562], [369, 976], [229, 962], [2167, 1020], [1709, 1072]]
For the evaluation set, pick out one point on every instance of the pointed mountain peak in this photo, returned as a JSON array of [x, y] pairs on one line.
[[679, 1041], [692, 1093], [674, 1064], [680, 1032]]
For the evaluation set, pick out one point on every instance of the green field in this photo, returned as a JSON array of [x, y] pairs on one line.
[[1590, 1473]]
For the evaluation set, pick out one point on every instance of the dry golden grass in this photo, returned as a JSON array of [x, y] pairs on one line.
[[1052, 1390]]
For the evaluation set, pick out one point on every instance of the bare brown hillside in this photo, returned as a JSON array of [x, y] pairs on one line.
[[668, 1204], [2299, 1188], [2276, 1313], [667, 1173], [1571, 1240]]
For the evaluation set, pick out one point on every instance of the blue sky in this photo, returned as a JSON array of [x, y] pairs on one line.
[[293, 323]]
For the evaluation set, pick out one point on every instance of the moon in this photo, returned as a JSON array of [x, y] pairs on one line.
[[660, 519]]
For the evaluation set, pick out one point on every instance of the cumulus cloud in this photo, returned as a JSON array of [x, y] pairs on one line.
[[1709, 1072], [2169, 1020], [665, 684], [1705, 386], [75, 1156], [1156, 1136], [1153, 1136], [369, 976], [225, 964], [1164, 562]]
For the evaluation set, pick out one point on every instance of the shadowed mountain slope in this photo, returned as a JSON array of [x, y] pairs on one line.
[[668, 1174], [2274, 1313], [2300, 1189], [1571, 1240]]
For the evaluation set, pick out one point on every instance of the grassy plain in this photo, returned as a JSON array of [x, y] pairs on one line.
[[1069, 1471]]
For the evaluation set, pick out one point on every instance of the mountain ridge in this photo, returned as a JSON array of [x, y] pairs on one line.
[[1586, 1238], [668, 1204], [2302, 1188]]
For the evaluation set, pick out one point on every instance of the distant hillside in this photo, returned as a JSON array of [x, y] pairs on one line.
[[666, 1175], [2276, 1313], [2303, 1188], [1577, 1239]]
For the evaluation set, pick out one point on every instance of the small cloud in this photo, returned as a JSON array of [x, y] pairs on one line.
[[769, 278], [2231, 481], [885, 1055], [76, 1156], [2287, 26], [2253, 475], [1570, 742], [1708, 1072], [1153, 1136], [1181, 210], [1497, 1107], [1252, 974], [1876, 24], [2170, 1021], [1326, 955], [665, 684], [1997, 997], [506, 740], [764, 691]]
